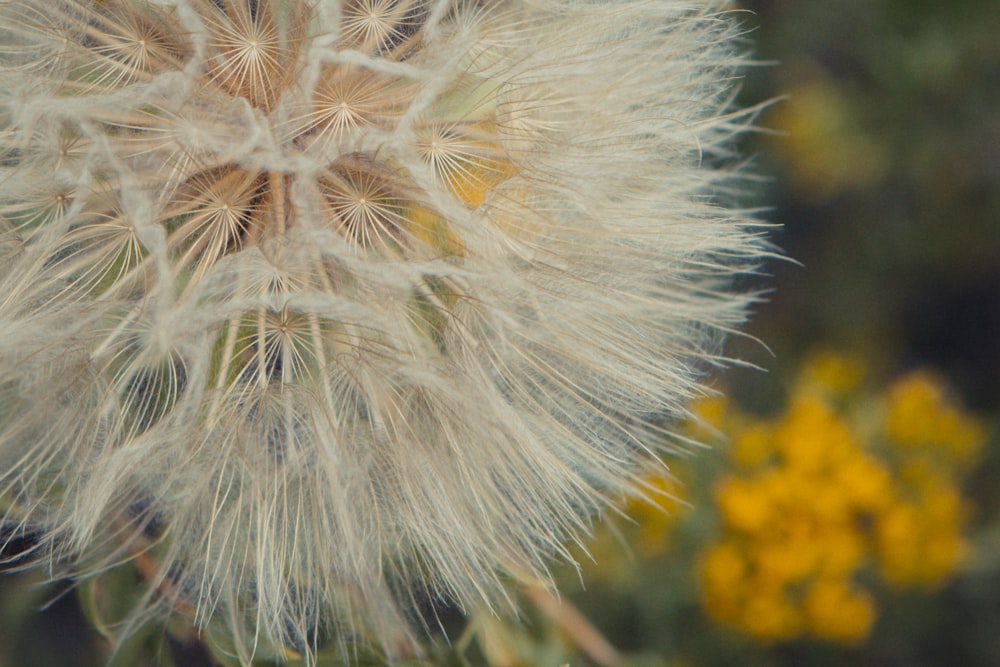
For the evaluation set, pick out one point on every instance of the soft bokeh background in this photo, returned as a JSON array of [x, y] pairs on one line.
[[848, 511], [882, 165]]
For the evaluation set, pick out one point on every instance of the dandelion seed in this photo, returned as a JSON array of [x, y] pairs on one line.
[[354, 301]]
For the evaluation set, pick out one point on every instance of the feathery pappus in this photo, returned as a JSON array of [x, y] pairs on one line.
[[325, 305]]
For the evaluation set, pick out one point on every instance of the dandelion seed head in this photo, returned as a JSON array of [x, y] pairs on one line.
[[353, 300]]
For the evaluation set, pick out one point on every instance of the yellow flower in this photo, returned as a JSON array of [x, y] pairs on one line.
[[786, 560], [746, 505], [770, 615], [842, 550], [811, 437], [921, 544], [832, 373], [837, 611], [753, 445], [865, 481], [913, 406], [919, 413], [723, 571]]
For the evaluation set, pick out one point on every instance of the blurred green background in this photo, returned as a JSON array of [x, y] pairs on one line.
[[884, 173], [880, 161]]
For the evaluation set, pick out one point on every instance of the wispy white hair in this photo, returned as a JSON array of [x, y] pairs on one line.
[[326, 306]]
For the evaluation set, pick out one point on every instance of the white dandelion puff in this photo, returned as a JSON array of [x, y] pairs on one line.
[[322, 305]]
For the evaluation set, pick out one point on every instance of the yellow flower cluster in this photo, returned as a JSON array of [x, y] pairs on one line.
[[921, 417], [824, 490], [932, 443]]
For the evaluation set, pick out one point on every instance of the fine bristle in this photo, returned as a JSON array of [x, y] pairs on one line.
[[351, 299]]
